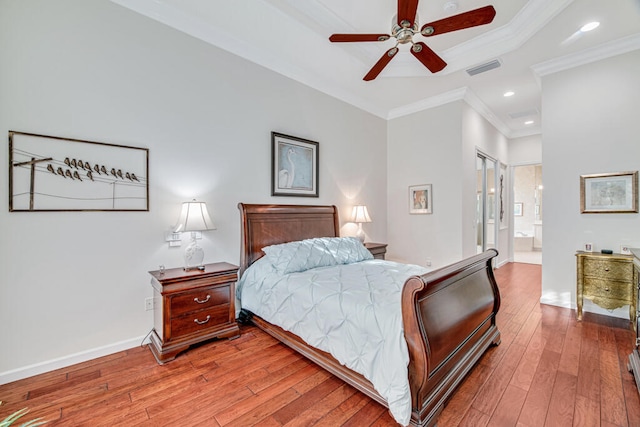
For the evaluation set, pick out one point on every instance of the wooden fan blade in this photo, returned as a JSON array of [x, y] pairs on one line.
[[473, 18], [407, 11], [341, 38], [428, 57], [382, 62]]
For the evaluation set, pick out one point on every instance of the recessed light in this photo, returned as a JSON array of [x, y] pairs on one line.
[[528, 122], [509, 93], [590, 26]]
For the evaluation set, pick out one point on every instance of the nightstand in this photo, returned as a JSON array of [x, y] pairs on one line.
[[192, 306], [378, 250], [607, 280]]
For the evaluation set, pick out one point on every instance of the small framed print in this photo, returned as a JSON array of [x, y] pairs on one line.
[[625, 250], [588, 247], [420, 199], [517, 209]]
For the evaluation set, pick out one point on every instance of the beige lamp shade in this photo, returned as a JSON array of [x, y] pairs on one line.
[[194, 217], [360, 214]]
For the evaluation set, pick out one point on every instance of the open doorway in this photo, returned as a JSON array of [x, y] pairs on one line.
[[527, 214]]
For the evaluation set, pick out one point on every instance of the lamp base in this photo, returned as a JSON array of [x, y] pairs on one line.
[[193, 255], [360, 233]]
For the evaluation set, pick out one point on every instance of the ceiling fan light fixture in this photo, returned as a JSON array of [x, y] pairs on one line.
[[404, 31]]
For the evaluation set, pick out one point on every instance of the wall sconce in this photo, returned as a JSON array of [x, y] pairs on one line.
[[360, 215], [194, 217]]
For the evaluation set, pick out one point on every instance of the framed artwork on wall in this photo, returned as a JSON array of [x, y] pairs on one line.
[[50, 173], [609, 193], [294, 166], [420, 199], [502, 189], [517, 209]]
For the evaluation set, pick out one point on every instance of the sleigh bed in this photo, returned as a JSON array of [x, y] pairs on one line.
[[448, 315]]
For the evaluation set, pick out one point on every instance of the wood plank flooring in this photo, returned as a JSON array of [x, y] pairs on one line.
[[549, 370]]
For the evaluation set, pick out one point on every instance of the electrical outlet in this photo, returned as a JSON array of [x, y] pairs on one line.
[[148, 304], [428, 262]]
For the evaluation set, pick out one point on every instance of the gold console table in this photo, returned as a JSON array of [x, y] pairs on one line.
[[608, 281]]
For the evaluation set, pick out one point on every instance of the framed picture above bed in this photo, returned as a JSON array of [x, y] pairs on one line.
[[420, 200], [294, 166]]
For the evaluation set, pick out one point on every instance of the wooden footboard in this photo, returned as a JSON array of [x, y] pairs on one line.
[[449, 320]]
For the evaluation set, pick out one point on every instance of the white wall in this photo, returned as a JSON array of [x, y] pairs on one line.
[[438, 147], [73, 284], [426, 148], [590, 125], [525, 150], [479, 135]]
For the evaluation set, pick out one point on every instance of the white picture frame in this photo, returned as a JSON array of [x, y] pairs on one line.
[[420, 199]]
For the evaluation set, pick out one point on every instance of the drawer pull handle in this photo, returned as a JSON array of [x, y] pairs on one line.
[[202, 322], [202, 301], [606, 289], [606, 269]]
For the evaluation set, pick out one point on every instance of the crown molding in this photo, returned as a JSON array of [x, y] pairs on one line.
[[597, 53], [481, 108], [427, 103]]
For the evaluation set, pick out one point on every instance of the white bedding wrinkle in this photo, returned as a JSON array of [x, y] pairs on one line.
[[352, 311]]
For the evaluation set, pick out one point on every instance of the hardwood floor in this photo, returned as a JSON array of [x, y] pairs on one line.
[[549, 370]]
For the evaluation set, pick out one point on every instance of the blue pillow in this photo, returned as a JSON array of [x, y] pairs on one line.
[[303, 255]]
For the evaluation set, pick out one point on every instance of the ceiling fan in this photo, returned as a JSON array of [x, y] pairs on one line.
[[405, 26]]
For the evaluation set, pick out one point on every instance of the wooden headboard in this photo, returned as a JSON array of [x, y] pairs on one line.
[[264, 225]]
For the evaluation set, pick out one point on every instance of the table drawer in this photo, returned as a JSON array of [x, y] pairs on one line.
[[199, 299], [608, 269], [200, 321], [601, 288]]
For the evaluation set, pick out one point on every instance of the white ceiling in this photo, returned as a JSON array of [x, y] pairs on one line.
[[530, 38]]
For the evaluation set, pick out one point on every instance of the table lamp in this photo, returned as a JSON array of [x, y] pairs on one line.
[[194, 217], [360, 215]]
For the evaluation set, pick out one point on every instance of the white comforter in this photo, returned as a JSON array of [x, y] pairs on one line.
[[352, 311]]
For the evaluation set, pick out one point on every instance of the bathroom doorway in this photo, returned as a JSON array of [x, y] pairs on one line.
[[527, 214]]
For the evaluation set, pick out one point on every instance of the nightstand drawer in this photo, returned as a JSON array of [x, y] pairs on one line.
[[607, 289], [200, 321], [199, 299], [608, 269]]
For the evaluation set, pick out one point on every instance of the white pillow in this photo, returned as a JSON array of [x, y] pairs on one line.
[[312, 253]]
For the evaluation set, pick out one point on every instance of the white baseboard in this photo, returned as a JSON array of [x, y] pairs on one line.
[[72, 359], [588, 307]]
